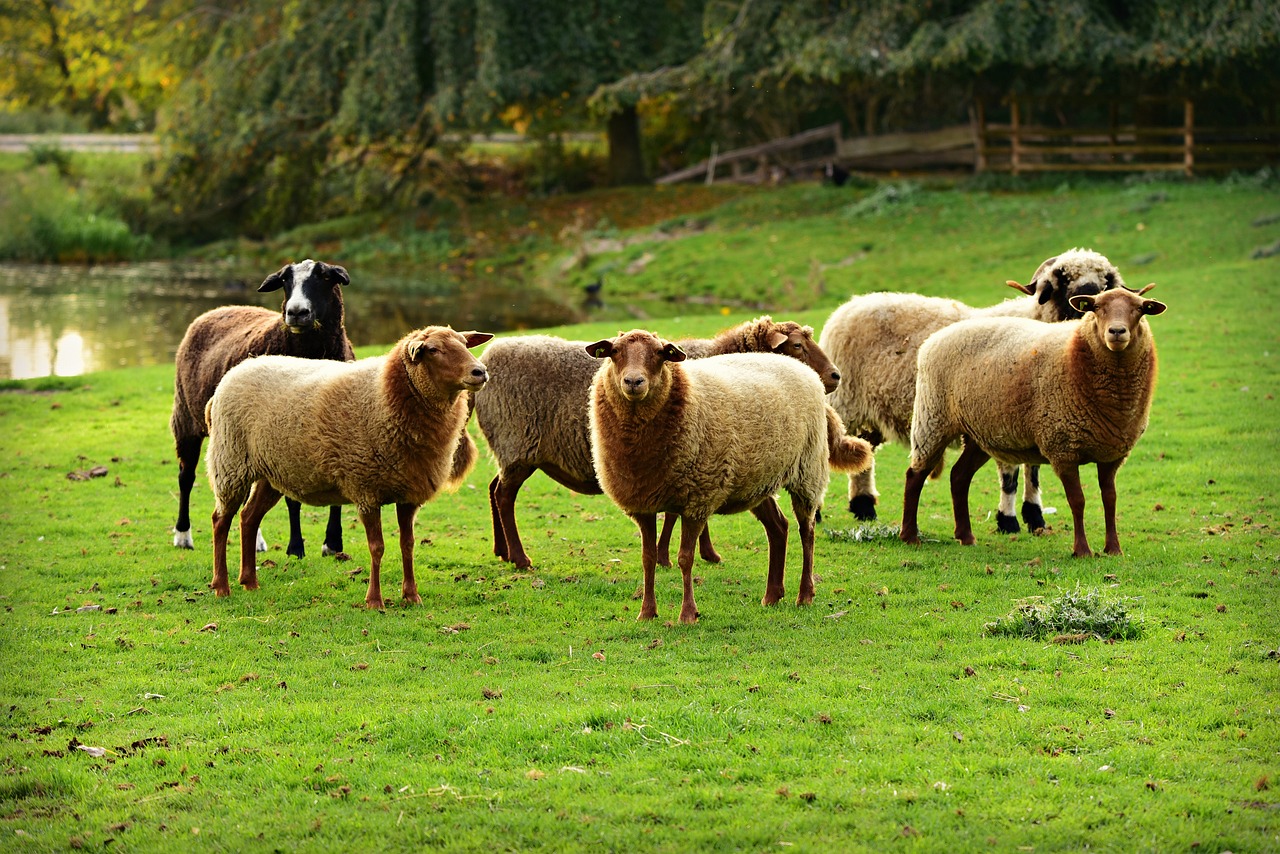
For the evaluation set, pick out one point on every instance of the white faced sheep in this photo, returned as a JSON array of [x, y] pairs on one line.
[[873, 339], [533, 412], [309, 325], [379, 431], [710, 436], [1029, 392]]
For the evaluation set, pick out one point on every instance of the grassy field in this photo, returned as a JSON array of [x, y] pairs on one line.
[[531, 710]]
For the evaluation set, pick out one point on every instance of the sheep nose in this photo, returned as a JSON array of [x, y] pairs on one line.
[[480, 374], [1119, 331], [634, 384], [298, 316], [835, 376]]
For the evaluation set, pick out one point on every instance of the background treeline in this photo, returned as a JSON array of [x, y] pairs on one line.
[[272, 114]]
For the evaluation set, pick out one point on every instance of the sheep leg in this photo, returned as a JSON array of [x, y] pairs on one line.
[[648, 524], [188, 457], [1107, 485], [408, 587], [371, 518], [222, 519], [1006, 520], [690, 530], [1032, 503], [262, 498], [1070, 477], [775, 529], [296, 547], [862, 492], [966, 466], [664, 538], [333, 533], [502, 505], [805, 522], [909, 532]]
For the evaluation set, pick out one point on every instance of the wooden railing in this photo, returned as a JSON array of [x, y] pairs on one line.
[[753, 164]]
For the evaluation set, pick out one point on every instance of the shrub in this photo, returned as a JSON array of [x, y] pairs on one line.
[[1091, 613]]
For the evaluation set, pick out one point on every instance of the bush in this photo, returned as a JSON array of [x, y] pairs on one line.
[[1075, 614], [44, 220]]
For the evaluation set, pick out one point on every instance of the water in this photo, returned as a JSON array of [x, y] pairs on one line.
[[70, 320]]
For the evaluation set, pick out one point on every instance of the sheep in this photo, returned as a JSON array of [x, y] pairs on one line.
[[309, 324], [873, 339], [533, 413], [708, 436], [1023, 391], [379, 431]]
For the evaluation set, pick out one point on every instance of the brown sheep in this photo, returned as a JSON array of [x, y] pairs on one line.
[[708, 436], [379, 431], [533, 413], [309, 324], [1024, 392]]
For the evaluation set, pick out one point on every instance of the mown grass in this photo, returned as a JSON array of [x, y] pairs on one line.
[[530, 710]]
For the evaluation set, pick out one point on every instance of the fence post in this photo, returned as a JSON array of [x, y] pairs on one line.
[[711, 166], [979, 137], [1188, 137], [1015, 142]]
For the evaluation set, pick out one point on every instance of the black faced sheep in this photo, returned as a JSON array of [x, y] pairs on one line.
[[710, 436], [379, 431], [309, 324], [533, 412], [873, 340], [1029, 392]]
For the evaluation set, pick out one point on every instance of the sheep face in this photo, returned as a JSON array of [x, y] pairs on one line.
[[1117, 315], [1077, 272], [438, 357], [312, 294], [638, 358], [791, 339]]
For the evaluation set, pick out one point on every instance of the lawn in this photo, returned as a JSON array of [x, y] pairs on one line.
[[517, 710]]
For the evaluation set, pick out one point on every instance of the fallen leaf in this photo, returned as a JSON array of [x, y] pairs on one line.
[[209, 627], [598, 656], [492, 694], [92, 751], [535, 774]]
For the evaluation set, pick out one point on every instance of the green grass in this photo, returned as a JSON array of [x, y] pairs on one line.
[[530, 710]]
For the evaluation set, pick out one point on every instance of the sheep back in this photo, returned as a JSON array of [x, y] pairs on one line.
[[726, 433], [533, 410]]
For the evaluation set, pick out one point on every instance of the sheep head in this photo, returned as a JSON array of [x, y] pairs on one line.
[[638, 359], [789, 338], [1074, 272], [1117, 315], [439, 357], [312, 294]]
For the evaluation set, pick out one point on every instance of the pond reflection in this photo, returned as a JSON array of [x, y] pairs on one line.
[[64, 320]]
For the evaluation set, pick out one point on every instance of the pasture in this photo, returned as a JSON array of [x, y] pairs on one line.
[[530, 710]]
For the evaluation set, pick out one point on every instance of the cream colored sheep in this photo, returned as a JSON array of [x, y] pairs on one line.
[[873, 339], [379, 431], [1027, 392], [533, 413], [718, 435]]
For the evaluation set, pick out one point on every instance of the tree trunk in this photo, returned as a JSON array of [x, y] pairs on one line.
[[625, 163]]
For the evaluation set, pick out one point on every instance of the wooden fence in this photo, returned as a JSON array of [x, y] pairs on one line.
[[1017, 146]]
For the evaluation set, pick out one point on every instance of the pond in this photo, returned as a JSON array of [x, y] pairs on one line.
[[70, 320]]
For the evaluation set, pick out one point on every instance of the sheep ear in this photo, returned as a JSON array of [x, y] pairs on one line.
[[1029, 290], [414, 349], [275, 281], [335, 274], [672, 353], [776, 339], [475, 339], [1152, 306], [601, 349], [1083, 303]]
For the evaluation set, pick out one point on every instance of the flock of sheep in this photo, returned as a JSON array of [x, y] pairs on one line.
[[1062, 375]]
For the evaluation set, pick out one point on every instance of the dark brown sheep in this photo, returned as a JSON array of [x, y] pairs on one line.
[[309, 324]]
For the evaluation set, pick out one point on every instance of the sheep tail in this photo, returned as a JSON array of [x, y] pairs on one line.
[[846, 453]]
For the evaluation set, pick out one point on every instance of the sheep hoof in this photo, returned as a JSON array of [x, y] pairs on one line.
[[863, 507], [647, 614], [298, 550], [966, 539], [664, 560], [805, 599], [249, 583], [1007, 524], [182, 539], [222, 592], [773, 597], [412, 597], [689, 615], [1033, 515], [374, 604], [909, 539], [711, 556]]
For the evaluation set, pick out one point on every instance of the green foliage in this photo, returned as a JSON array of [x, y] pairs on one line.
[[1092, 612], [45, 218]]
